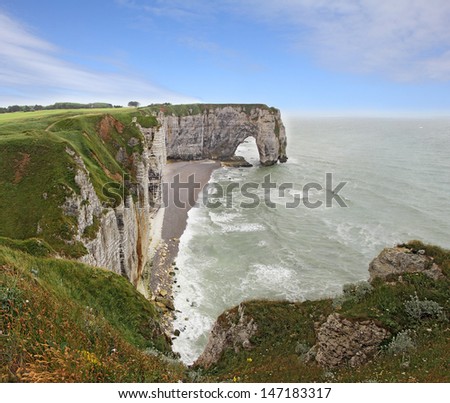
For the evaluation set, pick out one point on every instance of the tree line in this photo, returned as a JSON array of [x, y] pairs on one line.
[[58, 105]]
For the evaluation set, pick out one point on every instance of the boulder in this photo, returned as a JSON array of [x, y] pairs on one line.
[[341, 341], [233, 329], [400, 260]]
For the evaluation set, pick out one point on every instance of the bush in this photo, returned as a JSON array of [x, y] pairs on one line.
[[354, 292], [418, 310], [357, 290], [10, 297], [401, 343]]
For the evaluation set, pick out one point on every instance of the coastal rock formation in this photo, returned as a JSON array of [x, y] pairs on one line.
[[118, 238], [400, 260], [121, 234], [233, 329], [217, 131], [341, 341]]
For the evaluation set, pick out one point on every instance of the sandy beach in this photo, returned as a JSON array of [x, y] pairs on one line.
[[171, 220]]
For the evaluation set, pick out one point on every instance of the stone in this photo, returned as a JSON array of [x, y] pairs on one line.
[[168, 303], [236, 162], [233, 329], [344, 342], [401, 260], [133, 142]]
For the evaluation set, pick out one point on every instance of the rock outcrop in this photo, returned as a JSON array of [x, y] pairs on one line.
[[341, 341], [401, 260], [122, 234], [216, 133], [233, 329]]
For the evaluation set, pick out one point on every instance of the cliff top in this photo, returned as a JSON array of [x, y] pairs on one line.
[[194, 109], [67, 321]]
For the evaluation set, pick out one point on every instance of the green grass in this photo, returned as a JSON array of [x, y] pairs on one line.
[[32, 246], [37, 174], [193, 109], [286, 328], [282, 326], [64, 321]]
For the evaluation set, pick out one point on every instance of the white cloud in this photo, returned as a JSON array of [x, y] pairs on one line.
[[406, 40], [32, 70], [403, 39]]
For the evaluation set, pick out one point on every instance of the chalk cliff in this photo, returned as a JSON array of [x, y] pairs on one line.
[[217, 131], [122, 234]]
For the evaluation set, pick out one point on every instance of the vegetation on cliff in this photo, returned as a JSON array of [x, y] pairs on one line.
[[37, 173], [414, 310], [63, 321], [195, 109]]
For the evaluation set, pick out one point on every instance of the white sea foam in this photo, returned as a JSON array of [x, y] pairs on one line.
[[244, 227], [224, 217]]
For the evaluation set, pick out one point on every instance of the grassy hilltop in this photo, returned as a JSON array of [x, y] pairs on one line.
[[63, 321], [37, 174]]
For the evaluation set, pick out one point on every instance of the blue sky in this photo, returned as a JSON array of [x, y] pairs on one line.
[[339, 57]]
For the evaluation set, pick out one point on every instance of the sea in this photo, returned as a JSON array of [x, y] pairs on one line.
[[388, 182]]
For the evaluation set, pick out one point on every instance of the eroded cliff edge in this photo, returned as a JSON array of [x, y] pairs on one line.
[[392, 328], [89, 184], [200, 132]]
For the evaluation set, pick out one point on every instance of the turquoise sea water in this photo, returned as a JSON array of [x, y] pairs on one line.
[[398, 188]]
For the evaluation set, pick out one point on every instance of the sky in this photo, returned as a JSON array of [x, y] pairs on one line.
[[306, 57]]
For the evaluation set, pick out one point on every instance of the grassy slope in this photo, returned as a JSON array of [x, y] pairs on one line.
[[64, 321], [37, 174], [285, 330]]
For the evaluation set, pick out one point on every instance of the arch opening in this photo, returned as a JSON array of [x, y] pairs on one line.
[[248, 150]]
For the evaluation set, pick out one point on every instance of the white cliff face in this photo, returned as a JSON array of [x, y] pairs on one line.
[[123, 233], [118, 238], [218, 131]]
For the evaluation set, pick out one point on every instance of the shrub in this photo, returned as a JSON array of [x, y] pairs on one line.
[[354, 292], [401, 343], [418, 310], [10, 297]]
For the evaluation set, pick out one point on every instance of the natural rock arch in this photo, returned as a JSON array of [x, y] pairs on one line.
[[218, 131]]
